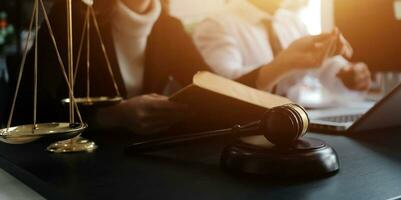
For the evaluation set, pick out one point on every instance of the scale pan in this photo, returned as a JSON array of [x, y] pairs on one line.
[[50, 131], [95, 101]]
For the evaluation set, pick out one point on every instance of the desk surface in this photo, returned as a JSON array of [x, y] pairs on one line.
[[370, 169]]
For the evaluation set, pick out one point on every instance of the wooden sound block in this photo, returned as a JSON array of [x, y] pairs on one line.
[[255, 155]]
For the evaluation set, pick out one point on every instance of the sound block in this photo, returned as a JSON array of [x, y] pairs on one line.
[[307, 158]]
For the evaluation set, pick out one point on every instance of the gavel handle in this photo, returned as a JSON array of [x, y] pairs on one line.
[[166, 142]]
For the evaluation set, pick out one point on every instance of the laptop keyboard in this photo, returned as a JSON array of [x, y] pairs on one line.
[[342, 118]]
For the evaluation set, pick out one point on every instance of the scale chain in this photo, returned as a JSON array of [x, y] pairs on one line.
[[90, 16], [22, 65], [35, 98], [70, 57], [61, 63], [88, 60], [81, 44], [95, 22]]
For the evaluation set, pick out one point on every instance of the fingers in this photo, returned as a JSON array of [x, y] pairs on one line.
[[346, 50], [324, 46], [332, 44], [308, 52], [356, 77], [312, 51], [342, 46], [325, 50], [308, 43], [324, 37], [363, 77]]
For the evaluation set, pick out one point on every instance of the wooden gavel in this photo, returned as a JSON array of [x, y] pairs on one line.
[[282, 126]]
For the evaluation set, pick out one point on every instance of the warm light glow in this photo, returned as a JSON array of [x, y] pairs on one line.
[[312, 16], [194, 10]]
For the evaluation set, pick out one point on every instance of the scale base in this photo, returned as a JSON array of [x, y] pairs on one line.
[[308, 158], [75, 145]]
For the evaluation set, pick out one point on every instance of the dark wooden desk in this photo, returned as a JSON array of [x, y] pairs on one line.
[[370, 169]]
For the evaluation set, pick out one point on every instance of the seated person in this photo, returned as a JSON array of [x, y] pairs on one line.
[[138, 38], [146, 47], [248, 34]]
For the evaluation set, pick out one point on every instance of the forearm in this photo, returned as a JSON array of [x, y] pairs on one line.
[[270, 75]]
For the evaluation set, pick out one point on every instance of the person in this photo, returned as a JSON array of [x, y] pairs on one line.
[[248, 35], [138, 38], [146, 47]]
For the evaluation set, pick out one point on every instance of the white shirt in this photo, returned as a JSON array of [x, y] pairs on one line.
[[235, 41], [130, 32]]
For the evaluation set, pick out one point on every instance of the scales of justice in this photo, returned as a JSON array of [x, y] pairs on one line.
[[66, 135]]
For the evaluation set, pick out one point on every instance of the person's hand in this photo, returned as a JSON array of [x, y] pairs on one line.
[[338, 45], [304, 53], [356, 77], [312, 51], [145, 114]]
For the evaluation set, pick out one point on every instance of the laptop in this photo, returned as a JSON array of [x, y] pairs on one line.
[[363, 117], [380, 30]]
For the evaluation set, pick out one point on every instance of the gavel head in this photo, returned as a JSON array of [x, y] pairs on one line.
[[285, 124]]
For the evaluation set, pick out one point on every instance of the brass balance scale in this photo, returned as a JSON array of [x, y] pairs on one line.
[[67, 133]]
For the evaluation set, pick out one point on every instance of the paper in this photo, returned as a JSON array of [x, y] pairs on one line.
[[229, 88]]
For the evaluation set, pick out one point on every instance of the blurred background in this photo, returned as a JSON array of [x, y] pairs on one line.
[[192, 11], [367, 24]]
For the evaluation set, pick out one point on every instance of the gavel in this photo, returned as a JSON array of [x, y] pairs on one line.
[[282, 126]]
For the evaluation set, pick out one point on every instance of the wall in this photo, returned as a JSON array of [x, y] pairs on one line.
[[327, 15]]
